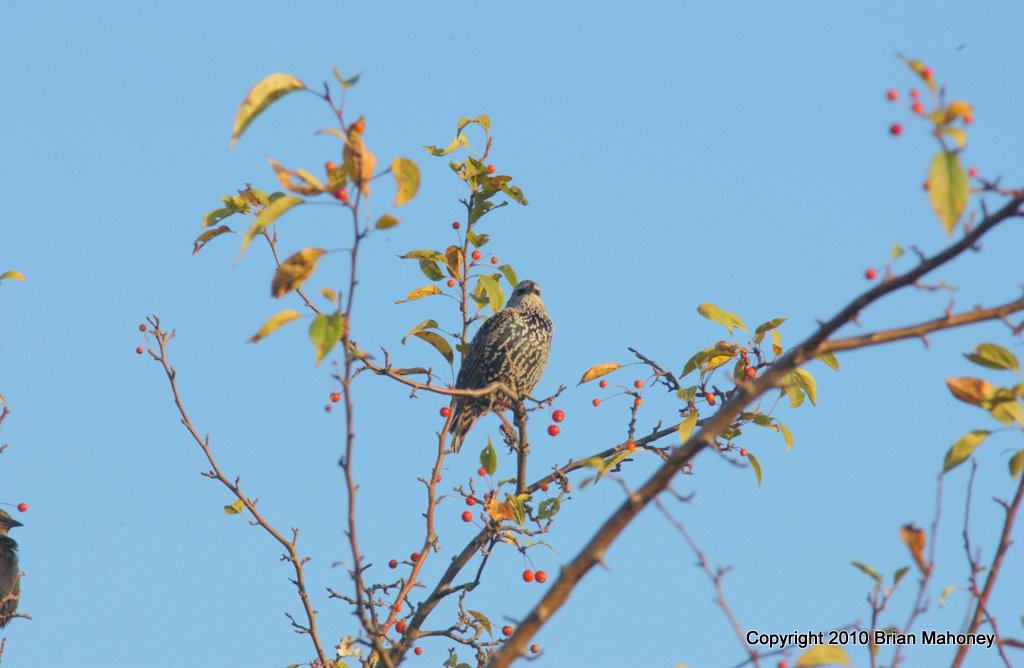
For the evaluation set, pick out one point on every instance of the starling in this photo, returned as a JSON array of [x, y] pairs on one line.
[[511, 348], [9, 574]]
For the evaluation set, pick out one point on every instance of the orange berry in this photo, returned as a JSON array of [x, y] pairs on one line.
[[783, 664], [603, 383], [445, 411], [507, 630], [918, 108], [972, 172], [710, 398], [359, 126], [399, 626], [467, 516], [638, 384], [470, 501], [914, 94], [636, 402], [630, 445], [892, 95], [924, 186], [494, 260], [743, 452], [335, 397], [750, 372], [927, 73], [476, 255], [481, 471], [438, 478], [451, 282], [392, 564], [527, 575], [330, 166], [543, 487], [534, 649], [418, 650], [490, 169], [541, 576], [558, 415], [139, 350], [22, 507], [341, 195], [142, 328], [968, 118], [596, 402], [895, 129], [553, 430]]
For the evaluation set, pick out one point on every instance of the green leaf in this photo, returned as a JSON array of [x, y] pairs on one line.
[[756, 466], [823, 655], [548, 508], [478, 240], [786, 435], [294, 271], [431, 270], [419, 293], [686, 427], [344, 83], [806, 382], [482, 618], [715, 314], [898, 575], [610, 463], [796, 395], [200, 241], [261, 96], [1016, 463], [213, 217], [273, 323], [994, 357], [895, 252], [946, 592], [958, 135], [324, 332], [488, 458], [426, 324], [407, 179], [870, 572], [460, 140], [1007, 410], [515, 193], [510, 275], [765, 327], [963, 448], [518, 511], [494, 294], [830, 360], [424, 254], [439, 343], [482, 120], [947, 189], [266, 217], [234, 508], [386, 221]]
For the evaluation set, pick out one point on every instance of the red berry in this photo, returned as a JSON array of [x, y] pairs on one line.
[[972, 172], [481, 471], [490, 169], [895, 129], [527, 575], [534, 649], [638, 384], [438, 478], [341, 194], [327, 408], [636, 402], [968, 118], [924, 186], [892, 95], [927, 73], [139, 350], [330, 166], [543, 487], [553, 430], [392, 564], [415, 556], [630, 445], [782, 664], [603, 383], [451, 282], [558, 415], [418, 651], [476, 255], [142, 328], [596, 402], [869, 274], [507, 630], [22, 507], [914, 94], [445, 411], [399, 626], [494, 260], [467, 516], [710, 398], [743, 352], [455, 225], [751, 372], [541, 576], [918, 108], [470, 501], [743, 452], [335, 397], [359, 126]]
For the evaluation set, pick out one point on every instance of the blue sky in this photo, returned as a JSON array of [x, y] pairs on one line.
[[672, 153]]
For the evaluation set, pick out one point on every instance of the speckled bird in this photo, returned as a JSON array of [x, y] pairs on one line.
[[512, 348], [10, 588]]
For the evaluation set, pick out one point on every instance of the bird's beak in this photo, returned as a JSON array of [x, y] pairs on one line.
[[11, 522]]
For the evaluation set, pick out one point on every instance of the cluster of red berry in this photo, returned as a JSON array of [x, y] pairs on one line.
[[142, 328]]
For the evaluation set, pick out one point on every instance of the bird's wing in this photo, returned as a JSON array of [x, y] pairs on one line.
[[488, 336]]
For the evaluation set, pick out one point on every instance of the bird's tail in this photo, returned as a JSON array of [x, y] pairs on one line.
[[462, 421]]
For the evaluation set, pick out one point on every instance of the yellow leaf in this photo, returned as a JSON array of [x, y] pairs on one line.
[[498, 510], [970, 390], [13, 275], [298, 181], [425, 291], [273, 323], [598, 370], [259, 98], [407, 179], [914, 539], [294, 271], [359, 162], [266, 217], [386, 221], [453, 257]]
